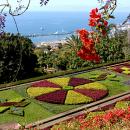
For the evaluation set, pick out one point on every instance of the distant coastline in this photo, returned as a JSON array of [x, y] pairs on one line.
[[50, 43], [52, 23]]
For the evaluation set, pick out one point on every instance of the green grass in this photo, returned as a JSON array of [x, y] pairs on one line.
[[89, 74], [58, 108], [9, 94], [33, 112]]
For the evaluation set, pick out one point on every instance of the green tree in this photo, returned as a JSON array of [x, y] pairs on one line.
[[17, 60]]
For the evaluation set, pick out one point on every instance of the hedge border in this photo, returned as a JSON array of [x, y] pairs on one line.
[[61, 73]]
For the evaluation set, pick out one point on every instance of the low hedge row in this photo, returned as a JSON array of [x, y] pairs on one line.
[[62, 73]]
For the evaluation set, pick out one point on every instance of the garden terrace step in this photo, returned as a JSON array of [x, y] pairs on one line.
[[78, 111], [10, 126]]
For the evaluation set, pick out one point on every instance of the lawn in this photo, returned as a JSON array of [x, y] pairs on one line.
[[99, 80]]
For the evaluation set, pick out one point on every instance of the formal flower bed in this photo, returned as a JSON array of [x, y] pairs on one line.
[[67, 90], [116, 118], [12, 105], [123, 68]]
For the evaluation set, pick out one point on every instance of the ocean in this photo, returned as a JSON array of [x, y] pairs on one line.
[[52, 23]]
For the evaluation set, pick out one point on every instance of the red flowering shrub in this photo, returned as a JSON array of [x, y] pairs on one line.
[[89, 39], [108, 119], [100, 28]]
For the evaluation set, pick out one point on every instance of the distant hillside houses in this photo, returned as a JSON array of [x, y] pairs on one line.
[[120, 27]]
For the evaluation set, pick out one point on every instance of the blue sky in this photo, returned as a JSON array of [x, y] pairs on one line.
[[76, 5], [71, 5]]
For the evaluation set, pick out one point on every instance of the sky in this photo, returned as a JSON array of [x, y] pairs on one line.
[[76, 5], [70, 5]]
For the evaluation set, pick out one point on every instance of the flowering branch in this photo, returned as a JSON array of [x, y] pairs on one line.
[[99, 28]]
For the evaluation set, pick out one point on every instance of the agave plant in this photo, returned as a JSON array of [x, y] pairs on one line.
[[74, 42]]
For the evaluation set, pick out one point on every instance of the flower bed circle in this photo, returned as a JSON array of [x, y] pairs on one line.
[[67, 90]]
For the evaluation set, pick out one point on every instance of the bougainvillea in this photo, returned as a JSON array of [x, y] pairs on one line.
[[98, 22], [67, 90]]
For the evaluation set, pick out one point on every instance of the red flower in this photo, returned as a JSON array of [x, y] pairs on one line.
[[104, 32], [127, 116], [94, 14], [85, 55], [92, 22], [105, 23], [129, 109], [119, 112], [94, 17], [83, 32], [108, 116]]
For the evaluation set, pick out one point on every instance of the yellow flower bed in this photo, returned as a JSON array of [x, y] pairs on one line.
[[94, 85], [76, 98], [36, 91], [125, 68], [60, 81]]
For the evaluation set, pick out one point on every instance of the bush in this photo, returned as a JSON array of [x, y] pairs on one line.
[[17, 60]]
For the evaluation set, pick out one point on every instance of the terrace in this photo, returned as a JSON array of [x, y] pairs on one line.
[[55, 95]]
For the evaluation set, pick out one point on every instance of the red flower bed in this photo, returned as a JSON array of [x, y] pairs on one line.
[[54, 97], [8, 104], [118, 68], [45, 83], [99, 121], [78, 81], [94, 94]]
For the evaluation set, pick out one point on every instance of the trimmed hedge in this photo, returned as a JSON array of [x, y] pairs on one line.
[[62, 73]]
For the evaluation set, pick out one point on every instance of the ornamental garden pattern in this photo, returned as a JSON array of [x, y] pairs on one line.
[[56, 95], [67, 90]]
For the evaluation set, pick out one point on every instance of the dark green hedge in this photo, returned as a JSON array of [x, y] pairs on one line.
[[62, 73]]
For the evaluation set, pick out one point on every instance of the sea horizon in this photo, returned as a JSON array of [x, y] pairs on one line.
[[52, 23]]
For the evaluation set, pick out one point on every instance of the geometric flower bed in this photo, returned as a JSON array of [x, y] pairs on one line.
[[67, 90], [13, 105], [103, 76], [123, 68]]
